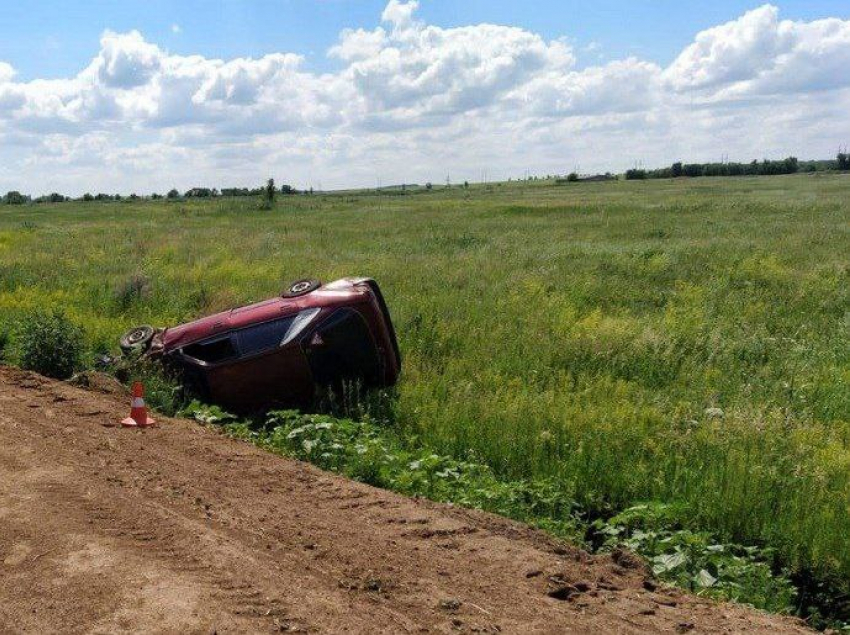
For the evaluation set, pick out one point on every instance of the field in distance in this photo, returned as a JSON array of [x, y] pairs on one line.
[[680, 341]]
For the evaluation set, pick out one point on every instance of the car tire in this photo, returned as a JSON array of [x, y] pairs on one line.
[[137, 339], [301, 287]]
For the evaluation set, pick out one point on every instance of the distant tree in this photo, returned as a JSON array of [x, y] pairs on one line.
[[428, 185], [173, 194], [199, 192], [466, 185], [235, 191], [572, 177], [676, 170], [635, 175], [52, 198], [267, 196], [14, 198], [843, 160], [155, 196], [715, 169], [88, 197], [792, 165]]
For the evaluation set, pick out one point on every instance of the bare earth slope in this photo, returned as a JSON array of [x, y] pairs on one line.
[[179, 529]]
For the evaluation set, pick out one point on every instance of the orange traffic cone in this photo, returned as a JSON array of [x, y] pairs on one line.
[[138, 411]]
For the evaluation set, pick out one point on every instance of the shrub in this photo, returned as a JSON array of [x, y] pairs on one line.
[[50, 344]]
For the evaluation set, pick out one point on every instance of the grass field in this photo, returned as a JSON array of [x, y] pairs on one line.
[[680, 341]]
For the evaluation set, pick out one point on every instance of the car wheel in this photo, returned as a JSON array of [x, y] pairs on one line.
[[137, 339], [301, 287]]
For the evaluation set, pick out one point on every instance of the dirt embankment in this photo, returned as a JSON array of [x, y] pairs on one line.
[[178, 529]]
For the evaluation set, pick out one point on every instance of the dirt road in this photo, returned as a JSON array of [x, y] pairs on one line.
[[178, 529]]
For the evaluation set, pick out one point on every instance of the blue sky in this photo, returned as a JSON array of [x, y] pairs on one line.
[[55, 38], [131, 96]]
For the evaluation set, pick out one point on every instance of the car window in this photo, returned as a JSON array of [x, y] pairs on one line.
[[212, 351], [262, 337]]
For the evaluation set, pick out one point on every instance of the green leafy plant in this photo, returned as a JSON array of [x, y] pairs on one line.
[[697, 561], [51, 344]]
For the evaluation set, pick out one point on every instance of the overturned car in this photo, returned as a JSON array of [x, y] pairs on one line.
[[283, 351]]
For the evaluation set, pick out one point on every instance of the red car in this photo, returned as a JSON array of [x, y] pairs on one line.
[[283, 351]]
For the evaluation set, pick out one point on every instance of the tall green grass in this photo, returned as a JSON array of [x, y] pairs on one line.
[[678, 341]]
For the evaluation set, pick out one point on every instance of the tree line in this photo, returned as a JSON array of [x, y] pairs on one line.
[[266, 193], [17, 198], [790, 165]]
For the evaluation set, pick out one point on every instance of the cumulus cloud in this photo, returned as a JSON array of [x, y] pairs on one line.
[[760, 54], [411, 100], [242, 81], [126, 60], [6, 73], [433, 70], [621, 86], [400, 14]]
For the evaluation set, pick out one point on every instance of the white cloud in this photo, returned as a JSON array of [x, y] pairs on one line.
[[621, 86], [411, 101], [400, 14], [6, 73], [241, 81], [735, 51], [760, 54], [126, 60], [175, 28], [359, 44]]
